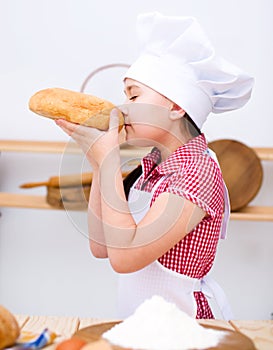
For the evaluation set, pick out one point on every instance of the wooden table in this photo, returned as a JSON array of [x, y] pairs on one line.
[[261, 332]]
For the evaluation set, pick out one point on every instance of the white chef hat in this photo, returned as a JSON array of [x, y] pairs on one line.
[[178, 61]]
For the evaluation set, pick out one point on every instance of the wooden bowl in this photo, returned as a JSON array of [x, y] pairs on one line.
[[241, 169], [231, 340]]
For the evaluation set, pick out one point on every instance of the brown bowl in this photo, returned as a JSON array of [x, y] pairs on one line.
[[232, 340]]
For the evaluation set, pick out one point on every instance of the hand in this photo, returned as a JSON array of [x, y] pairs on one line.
[[96, 144]]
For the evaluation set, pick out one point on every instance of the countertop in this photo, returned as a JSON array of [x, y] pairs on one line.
[[260, 331]]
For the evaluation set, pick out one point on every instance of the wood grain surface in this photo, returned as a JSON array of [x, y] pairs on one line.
[[260, 331], [231, 339], [242, 171]]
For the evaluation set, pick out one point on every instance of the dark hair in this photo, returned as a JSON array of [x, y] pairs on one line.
[[193, 128], [130, 179]]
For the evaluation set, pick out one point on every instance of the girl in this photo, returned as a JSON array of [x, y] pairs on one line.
[[160, 228]]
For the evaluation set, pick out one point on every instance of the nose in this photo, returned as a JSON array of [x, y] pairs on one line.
[[125, 112]]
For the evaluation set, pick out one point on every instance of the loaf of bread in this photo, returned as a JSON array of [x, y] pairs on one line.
[[9, 328], [75, 107]]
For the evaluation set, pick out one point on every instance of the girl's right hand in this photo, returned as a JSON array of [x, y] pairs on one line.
[[96, 144]]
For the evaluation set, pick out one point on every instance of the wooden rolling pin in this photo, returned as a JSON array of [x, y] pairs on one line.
[[83, 179]]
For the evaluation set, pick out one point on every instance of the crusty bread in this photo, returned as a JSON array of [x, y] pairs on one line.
[[9, 328], [73, 106]]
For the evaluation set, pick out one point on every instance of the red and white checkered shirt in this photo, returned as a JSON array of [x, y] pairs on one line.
[[194, 175]]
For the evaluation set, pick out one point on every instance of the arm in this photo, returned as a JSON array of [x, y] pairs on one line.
[[130, 246], [85, 138], [95, 227]]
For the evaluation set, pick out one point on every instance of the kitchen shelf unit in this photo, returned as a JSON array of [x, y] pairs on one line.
[[251, 213]]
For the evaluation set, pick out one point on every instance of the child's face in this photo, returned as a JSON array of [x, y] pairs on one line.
[[146, 114], [140, 93]]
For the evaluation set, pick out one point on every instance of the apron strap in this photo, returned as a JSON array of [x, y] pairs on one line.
[[212, 289], [226, 217], [225, 222], [208, 285]]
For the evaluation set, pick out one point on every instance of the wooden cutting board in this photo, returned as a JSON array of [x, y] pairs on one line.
[[69, 198], [69, 192], [242, 171], [231, 340]]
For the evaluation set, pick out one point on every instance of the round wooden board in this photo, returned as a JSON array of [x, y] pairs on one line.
[[241, 169], [232, 340]]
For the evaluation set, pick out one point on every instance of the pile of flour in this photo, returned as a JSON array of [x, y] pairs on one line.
[[160, 325]]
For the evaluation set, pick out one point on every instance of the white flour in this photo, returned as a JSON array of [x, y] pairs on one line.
[[160, 325]]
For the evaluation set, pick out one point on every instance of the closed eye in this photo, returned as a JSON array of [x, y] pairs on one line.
[[132, 98]]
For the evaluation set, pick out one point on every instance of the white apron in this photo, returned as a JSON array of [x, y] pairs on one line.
[[155, 279]]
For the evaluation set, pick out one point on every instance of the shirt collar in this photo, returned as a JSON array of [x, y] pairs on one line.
[[194, 147]]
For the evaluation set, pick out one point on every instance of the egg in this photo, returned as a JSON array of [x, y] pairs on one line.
[[71, 344]]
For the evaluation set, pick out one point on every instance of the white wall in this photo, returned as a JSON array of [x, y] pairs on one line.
[[45, 265]]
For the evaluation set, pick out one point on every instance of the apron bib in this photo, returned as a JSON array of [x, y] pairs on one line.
[[156, 279]]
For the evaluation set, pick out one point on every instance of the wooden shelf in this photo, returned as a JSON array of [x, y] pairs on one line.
[[35, 146], [12, 200], [59, 147], [24, 201], [253, 213], [264, 153]]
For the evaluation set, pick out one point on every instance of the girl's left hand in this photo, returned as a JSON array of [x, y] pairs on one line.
[[96, 144]]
